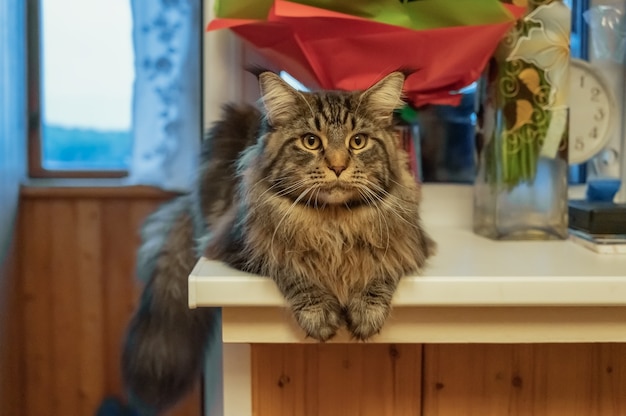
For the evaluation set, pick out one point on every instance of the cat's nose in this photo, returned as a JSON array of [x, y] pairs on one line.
[[337, 169]]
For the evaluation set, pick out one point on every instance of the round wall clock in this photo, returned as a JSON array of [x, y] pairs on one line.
[[592, 112]]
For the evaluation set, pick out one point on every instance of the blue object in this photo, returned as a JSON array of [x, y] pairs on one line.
[[602, 189], [112, 406]]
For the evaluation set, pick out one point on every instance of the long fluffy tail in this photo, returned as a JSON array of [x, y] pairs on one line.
[[164, 349], [166, 341]]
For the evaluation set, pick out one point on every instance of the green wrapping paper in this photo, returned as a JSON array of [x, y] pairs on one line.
[[417, 15]]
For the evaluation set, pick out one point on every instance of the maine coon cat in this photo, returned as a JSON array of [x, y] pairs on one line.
[[315, 194]]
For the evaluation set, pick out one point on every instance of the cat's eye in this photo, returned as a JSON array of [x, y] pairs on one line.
[[358, 141], [311, 141]]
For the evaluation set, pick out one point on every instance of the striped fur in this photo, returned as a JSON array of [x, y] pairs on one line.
[[321, 200]]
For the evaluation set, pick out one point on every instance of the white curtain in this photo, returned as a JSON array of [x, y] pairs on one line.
[[167, 93]]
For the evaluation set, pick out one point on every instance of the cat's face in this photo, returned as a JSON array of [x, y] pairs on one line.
[[331, 147]]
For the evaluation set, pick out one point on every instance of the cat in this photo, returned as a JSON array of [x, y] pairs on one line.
[[316, 193]]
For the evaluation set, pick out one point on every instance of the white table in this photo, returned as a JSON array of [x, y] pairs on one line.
[[473, 290]]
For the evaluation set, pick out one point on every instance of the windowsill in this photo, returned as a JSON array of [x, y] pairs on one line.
[[89, 187], [73, 182], [474, 290]]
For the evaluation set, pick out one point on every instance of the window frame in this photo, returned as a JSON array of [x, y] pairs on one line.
[[577, 174], [33, 76], [580, 28]]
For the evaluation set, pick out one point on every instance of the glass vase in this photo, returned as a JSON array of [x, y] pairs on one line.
[[520, 192]]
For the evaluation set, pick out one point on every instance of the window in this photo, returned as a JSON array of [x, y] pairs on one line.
[[81, 73]]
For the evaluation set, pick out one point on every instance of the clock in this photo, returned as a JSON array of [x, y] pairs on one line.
[[592, 112]]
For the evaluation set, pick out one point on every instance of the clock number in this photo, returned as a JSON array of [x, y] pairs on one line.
[[582, 81], [599, 116], [594, 133], [579, 144], [595, 94]]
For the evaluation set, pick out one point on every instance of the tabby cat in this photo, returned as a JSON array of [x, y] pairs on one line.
[[316, 194]]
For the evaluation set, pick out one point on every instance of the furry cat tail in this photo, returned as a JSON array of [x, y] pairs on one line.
[[164, 349], [166, 341]]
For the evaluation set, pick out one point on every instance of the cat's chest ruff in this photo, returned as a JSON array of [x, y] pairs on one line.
[[340, 250], [336, 260], [337, 240]]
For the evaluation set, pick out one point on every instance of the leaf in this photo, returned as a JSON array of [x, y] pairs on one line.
[[530, 78], [523, 113]]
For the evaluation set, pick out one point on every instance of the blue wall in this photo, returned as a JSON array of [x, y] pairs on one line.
[[12, 115]]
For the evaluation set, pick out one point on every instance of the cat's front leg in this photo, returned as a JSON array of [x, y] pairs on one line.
[[368, 310], [315, 309]]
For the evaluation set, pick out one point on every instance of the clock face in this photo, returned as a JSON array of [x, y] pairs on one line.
[[591, 112]]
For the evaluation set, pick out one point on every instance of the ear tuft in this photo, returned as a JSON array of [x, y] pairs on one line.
[[385, 96], [278, 97]]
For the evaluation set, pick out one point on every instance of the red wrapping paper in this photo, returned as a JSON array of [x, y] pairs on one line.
[[331, 50]]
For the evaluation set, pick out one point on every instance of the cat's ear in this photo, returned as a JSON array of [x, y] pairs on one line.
[[385, 96], [278, 97]]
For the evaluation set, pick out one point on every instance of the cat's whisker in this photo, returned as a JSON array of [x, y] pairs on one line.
[[291, 188], [308, 202], [261, 182], [274, 183], [392, 199], [368, 195], [316, 191], [401, 185], [317, 194], [380, 215], [369, 202], [399, 215], [397, 203], [394, 208], [298, 199], [280, 193]]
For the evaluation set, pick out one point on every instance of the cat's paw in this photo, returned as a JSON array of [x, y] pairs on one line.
[[366, 316], [320, 320]]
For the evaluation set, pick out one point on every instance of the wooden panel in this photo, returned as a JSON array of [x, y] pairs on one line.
[[91, 338], [336, 379], [11, 353], [540, 380], [65, 313], [118, 272], [76, 256], [37, 280]]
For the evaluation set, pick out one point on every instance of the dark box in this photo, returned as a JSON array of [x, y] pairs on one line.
[[597, 217]]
